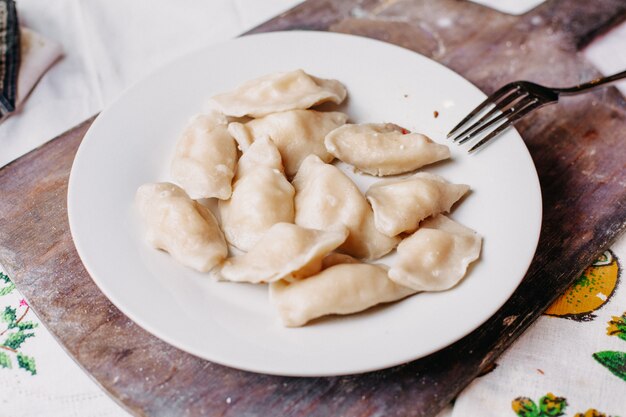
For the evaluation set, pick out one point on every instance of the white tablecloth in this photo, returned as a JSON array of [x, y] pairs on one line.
[[109, 44]]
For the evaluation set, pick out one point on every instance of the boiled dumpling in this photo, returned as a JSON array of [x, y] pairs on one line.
[[278, 92], [285, 251], [261, 197], [180, 226], [344, 288], [383, 149], [334, 258], [263, 153], [399, 205], [435, 257], [259, 200], [296, 133], [326, 199], [205, 157]]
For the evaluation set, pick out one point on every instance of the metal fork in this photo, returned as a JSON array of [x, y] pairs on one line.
[[511, 103]]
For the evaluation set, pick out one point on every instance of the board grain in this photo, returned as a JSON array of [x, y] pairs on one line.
[[577, 147]]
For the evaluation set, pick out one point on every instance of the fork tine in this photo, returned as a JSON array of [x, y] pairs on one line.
[[511, 98], [505, 90], [512, 119], [504, 115]]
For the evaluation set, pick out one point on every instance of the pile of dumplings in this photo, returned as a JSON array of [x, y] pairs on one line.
[[299, 223]]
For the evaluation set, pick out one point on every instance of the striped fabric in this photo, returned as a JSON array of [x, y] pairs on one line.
[[9, 56]]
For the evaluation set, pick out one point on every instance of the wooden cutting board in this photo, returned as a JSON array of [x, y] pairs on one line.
[[578, 148]]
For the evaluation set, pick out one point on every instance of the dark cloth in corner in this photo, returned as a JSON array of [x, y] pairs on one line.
[[9, 56]]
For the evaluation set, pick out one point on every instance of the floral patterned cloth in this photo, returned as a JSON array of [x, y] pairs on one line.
[[571, 362], [37, 377], [16, 329]]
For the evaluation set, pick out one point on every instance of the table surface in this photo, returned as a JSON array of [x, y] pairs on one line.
[[374, 25]]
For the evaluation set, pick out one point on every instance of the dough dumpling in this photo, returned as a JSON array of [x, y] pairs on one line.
[[205, 157], [435, 257], [285, 251], [327, 199], [276, 92], [180, 226], [383, 148], [296, 133], [399, 205], [334, 258], [341, 289], [262, 153], [261, 197]]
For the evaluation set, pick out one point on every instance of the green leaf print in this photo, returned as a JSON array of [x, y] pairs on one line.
[[26, 325], [6, 290], [27, 363], [9, 316], [5, 360], [8, 285], [15, 340], [613, 361], [15, 331]]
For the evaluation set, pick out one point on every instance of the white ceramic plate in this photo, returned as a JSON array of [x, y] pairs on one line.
[[131, 143]]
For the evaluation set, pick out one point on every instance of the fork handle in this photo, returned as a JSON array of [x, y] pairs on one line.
[[591, 84]]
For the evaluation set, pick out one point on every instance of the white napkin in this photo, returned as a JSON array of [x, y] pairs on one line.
[[38, 55]]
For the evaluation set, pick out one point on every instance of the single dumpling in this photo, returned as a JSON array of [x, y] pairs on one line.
[[285, 251], [383, 148], [276, 92], [343, 288], [205, 157], [326, 198], [261, 197], [399, 205], [296, 133], [180, 226], [435, 257], [262, 153]]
